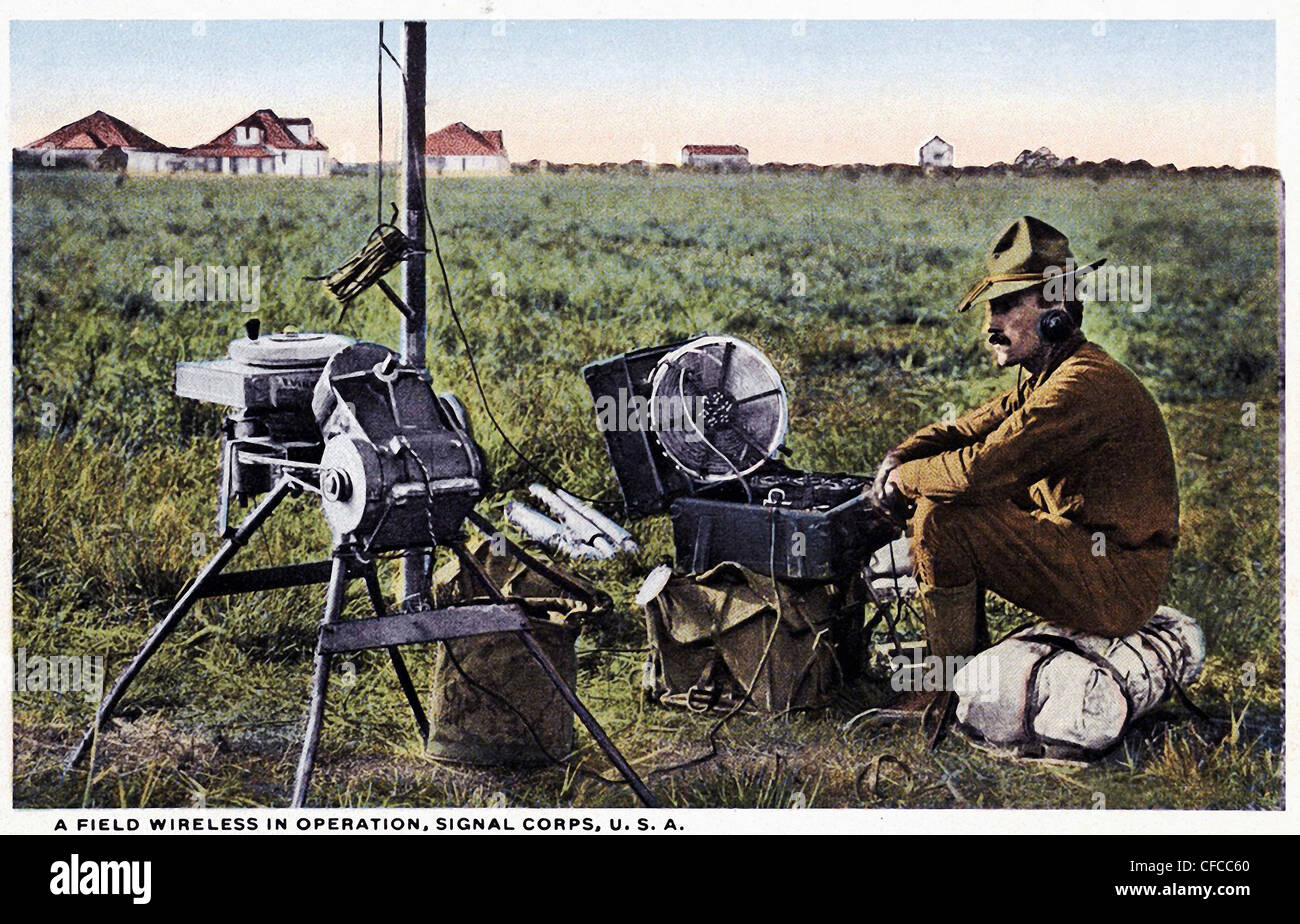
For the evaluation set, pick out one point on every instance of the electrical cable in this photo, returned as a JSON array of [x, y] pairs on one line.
[[478, 382], [414, 153]]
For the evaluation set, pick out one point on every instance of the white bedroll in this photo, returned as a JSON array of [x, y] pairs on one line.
[[1063, 693]]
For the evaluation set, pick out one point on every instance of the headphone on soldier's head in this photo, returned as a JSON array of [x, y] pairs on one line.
[[1055, 325]]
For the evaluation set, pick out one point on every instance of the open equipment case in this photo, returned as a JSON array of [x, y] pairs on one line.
[[694, 428]]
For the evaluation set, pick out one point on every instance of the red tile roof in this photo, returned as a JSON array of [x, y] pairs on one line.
[[228, 150], [82, 141], [97, 131], [715, 149], [275, 134], [458, 139]]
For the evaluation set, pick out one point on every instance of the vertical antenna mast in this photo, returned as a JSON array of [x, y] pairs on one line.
[[413, 283], [415, 577]]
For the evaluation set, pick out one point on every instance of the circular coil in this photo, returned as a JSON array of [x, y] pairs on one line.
[[718, 408]]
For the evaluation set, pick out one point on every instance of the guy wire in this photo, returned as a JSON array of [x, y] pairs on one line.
[[414, 152]]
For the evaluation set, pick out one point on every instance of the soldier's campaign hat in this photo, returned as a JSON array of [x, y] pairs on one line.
[[1027, 254]]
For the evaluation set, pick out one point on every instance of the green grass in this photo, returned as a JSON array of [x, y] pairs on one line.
[[115, 478]]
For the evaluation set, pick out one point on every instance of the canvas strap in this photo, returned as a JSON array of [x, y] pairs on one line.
[[1060, 645], [1158, 643]]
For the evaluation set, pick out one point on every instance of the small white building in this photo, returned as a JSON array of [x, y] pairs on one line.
[[263, 143], [458, 149], [101, 140], [731, 156], [936, 153]]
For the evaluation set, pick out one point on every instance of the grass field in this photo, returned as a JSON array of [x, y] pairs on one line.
[[115, 478]]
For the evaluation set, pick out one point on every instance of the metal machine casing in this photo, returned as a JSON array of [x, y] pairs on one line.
[[275, 372], [267, 382], [400, 467], [396, 466]]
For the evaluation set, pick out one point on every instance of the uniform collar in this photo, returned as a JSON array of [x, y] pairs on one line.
[[1060, 353]]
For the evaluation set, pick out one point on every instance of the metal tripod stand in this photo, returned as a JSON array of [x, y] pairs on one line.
[[385, 629]]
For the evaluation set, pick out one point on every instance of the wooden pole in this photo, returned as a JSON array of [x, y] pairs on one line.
[[413, 282], [415, 577]]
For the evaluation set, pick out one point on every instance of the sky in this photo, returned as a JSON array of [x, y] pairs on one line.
[[1186, 93]]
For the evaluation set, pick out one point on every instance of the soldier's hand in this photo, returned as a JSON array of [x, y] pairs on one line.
[[885, 493], [897, 505], [878, 487]]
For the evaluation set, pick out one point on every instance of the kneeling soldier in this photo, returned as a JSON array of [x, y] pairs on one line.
[[1058, 495]]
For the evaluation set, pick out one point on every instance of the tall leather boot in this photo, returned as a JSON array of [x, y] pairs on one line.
[[953, 618], [955, 625]]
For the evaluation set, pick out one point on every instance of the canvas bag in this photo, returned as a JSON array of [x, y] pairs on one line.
[[712, 635], [490, 702], [1048, 691]]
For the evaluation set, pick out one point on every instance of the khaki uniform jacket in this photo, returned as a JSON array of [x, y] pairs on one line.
[[1084, 442]]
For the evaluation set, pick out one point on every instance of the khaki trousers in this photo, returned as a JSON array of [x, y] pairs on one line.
[[1044, 564]]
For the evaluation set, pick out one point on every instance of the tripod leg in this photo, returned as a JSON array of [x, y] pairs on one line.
[[319, 684], [484, 525], [415, 580], [399, 663], [611, 751], [168, 624], [408, 688]]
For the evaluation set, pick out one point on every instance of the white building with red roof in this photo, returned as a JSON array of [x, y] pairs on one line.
[[731, 156], [101, 140], [459, 149], [263, 143]]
